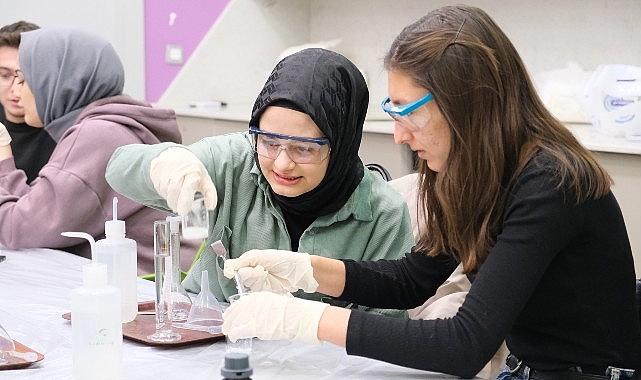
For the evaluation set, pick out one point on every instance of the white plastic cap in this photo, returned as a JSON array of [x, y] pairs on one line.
[[94, 274], [174, 223], [115, 229]]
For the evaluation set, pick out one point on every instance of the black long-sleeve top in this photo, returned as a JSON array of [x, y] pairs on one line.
[[558, 286], [31, 146]]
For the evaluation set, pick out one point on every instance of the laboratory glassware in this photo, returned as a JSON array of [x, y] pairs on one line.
[[6, 346], [180, 300], [196, 222], [205, 314], [8, 350], [164, 280], [243, 345], [221, 251]]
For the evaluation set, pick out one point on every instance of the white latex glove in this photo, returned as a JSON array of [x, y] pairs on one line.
[[5, 138], [273, 270], [270, 316], [177, 174]]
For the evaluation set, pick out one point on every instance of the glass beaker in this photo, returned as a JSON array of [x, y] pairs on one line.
[[164, 280], [196, 222], [243, 345]]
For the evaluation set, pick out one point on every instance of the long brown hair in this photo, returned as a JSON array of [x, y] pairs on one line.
[[497, 122]]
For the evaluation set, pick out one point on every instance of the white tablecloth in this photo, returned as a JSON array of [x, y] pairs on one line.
[[35, 288]]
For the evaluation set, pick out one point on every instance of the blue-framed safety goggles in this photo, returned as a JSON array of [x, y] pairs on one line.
[[404, 109]]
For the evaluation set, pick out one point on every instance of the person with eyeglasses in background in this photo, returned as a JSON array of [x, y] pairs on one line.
[[294, 181], [31, 146], [70, 83], [509, 193]]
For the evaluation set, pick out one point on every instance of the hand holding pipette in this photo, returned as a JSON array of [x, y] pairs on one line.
[[274, 270], [221, 251]]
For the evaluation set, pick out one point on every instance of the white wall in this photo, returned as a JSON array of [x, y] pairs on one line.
[[250, 34], [119, 21], [547, 33], [231, 62], [236, 56]]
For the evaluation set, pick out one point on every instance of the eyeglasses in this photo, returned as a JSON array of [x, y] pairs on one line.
[[403, 113], [7, 77], [301, 150]]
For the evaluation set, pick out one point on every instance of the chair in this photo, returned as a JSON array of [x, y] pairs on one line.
[[449, 296], [378, 168]]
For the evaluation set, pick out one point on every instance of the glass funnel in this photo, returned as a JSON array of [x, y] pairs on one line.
[[205, 314]]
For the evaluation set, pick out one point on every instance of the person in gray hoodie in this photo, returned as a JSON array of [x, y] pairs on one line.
[[71, 85]]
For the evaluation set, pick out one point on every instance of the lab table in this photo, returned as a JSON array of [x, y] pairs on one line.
[[35, 290]]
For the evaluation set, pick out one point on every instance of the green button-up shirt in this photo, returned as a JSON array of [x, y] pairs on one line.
[[373, 224]]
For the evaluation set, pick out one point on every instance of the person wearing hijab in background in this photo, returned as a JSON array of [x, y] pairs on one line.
[[294, 181], [71, 84], [31, 146]]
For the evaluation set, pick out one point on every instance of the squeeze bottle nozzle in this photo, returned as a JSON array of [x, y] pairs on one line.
[[115, 228], [83, 235], [94, 274]]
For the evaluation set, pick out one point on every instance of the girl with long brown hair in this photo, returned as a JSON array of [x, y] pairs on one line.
[[509, 193]]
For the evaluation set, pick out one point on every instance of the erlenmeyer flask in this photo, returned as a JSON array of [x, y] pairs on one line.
[[7, 347], [206, 314]]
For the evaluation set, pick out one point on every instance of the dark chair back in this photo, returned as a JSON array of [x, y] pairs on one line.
[[378, 168]]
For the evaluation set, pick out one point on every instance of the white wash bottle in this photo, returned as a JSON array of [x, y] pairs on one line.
[[95, 323], [120, 254]]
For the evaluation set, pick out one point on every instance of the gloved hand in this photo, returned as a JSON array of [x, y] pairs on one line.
[[177, 174], [5, 138], [273, 270], [270, 316]]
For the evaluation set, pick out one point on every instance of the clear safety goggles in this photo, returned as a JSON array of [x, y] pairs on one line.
[[301, 150], [404, 113]]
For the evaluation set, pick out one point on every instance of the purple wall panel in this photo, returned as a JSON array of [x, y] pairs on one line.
[[173, 22]]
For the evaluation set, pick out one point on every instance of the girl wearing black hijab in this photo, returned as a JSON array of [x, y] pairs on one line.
[[294, 181]]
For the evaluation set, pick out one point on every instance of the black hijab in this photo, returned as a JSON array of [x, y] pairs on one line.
[[332, 91]]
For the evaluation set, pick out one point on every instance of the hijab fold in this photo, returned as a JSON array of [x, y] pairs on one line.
[[332, 91], [66, 69]]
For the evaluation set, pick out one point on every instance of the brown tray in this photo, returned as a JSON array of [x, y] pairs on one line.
[[144, 325], [17, 363]]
